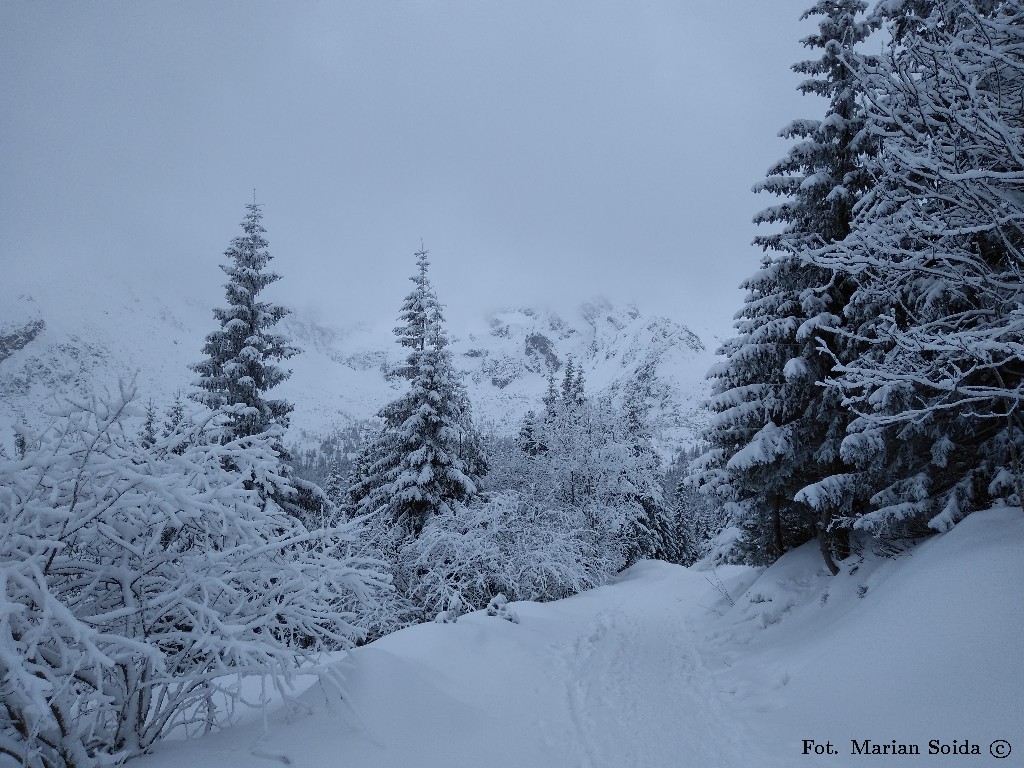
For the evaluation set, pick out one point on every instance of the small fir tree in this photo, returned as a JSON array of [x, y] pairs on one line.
[[569, 382], [147, 435], [551, 395]]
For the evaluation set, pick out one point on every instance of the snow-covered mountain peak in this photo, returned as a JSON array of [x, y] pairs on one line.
[[67, 335], [507, 368]]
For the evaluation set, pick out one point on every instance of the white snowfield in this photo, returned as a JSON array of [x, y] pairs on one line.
[[658, 669]]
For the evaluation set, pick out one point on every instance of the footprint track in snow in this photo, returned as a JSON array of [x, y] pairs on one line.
[[622, 709]]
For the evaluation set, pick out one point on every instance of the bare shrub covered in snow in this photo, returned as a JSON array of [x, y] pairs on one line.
[[135, 581], [508, 544], [594, 458]]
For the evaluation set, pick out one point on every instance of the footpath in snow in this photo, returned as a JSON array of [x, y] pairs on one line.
[[658, 669]]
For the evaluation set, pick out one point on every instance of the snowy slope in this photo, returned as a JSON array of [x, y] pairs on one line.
[[658, 670], [65, 334], [507, 366], [97, 330], [923, 647]]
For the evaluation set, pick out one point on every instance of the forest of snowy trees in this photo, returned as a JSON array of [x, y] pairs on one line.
[[154, 555], [875, 381]]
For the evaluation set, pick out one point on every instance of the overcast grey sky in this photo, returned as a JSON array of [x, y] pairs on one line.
[[543, 150]]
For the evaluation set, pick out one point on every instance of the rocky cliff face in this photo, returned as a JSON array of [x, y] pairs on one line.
[[17, 334]]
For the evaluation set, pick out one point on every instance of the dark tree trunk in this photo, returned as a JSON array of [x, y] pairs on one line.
[[777, 524], [825, 541], [841, 543]]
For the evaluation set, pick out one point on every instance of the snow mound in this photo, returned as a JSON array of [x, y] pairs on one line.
[[913, 649]]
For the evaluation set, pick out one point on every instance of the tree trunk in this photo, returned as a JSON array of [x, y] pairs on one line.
[[777, 524], [824, 541], [841, 543]]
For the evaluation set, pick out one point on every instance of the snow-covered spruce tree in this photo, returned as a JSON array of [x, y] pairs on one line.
[[528, 440], [569, 383], [775, 429], [137, 583], [696, 517], [366, 473], [427, 457], [174, 417], [241, 363], [147, 435], [336, 486], [936, 252], [650, 530]]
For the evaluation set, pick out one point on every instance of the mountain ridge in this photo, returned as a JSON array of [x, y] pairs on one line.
[[67, 337]]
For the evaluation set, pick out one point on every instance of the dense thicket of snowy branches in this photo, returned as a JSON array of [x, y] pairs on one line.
[[141, 582], [505, 543], [935, 252], [593, 459], [575, 498]]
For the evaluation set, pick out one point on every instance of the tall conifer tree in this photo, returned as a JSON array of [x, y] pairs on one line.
[[775, 428], [427, 457], [242, 354], [241, 365]]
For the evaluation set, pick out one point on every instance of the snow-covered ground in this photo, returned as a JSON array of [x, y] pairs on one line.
[[658, 669]]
